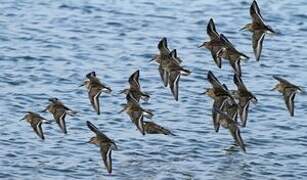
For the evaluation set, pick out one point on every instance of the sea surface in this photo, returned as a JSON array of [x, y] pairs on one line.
[[47, 48]]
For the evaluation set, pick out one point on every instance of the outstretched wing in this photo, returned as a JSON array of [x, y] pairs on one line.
[[214, 81], [289, 100], [94, 94], [93, 128], [215, 55], [164, 75], [38, 129], [235, 132], [243, 110], [211, 31], [106, 152], [174, 83], [134, 79], [255, 13], [258, 37], [282, 80]]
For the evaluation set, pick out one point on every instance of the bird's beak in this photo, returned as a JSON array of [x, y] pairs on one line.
[[90, 141], [273, 89], [124, 108], [243, 28], [122, 92], [81, 85], [23, 118], [154, 58], [300, 88], [202, 45], [204, 93], [107, 90]]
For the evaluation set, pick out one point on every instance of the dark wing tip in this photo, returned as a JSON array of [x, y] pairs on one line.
[[91, 126], [97, 110], [136, 73], [210, 73], [173, 53], [93, 73], [219, 64], [212, 79], [41, 136], [163, 42], [210, 24], [223, 37], [225, 87], [254, 4], [176, 97], [257, 57], [217, 127], [244, 123]]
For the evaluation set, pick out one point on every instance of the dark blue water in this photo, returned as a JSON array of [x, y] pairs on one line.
[[47, 47]]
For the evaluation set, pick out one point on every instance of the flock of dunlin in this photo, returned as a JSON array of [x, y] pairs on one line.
[[228, 104]]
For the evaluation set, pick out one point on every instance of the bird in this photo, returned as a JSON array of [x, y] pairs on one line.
[[245, 97], [59, 112], [214, 45], [95, 87], [230, 53], [153, 128], [164, 55], [258, 28], [229, 108], [135, 88], [170, 68], [288, 90], [136, 113], [36, 122], [220, 94], [106, 145], [229, 123], [174, 70]]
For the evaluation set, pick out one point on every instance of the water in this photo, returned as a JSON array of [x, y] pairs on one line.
[[47, 48]]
